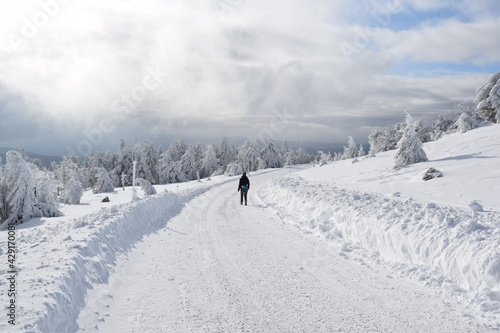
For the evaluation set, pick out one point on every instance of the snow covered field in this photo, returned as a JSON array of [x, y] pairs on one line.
[[346, 247]]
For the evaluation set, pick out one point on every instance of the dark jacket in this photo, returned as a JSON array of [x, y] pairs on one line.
[[244, 181]]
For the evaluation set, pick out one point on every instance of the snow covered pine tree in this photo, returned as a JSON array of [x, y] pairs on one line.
[[410, 147], [488, 99]]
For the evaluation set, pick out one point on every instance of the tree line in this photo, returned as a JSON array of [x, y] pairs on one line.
[[28, 189]]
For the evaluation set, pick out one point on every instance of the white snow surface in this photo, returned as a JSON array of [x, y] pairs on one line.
[[346, 247]]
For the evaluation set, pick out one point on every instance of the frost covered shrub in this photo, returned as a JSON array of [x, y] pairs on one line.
[[234, 169], [465, 123], [410, 147], [145, 186]]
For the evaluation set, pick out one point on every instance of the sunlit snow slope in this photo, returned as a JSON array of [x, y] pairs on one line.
[[444, 231]]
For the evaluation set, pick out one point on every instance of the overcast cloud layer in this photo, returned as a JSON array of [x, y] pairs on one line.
[[81, 74]]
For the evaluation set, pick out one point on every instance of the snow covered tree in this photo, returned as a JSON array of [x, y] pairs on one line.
[[465, 123], [324, 158], [199, 153], [410, 147], [172, 173], [270, 157], [388, 139], [286, 153], [301, 156], [145, 186], [225, 153], [373, 146], [289, 158], [189, 166], [124, 162], [261, 164], [234, 169], [441, 126], [149, 157], [73, 190], [19, 183], [209, 163], [424, 131], [177, 149], [351, 151], [103, 183], [143, 168], [169, 165], [248, 156], [488, 99], [46, 194], [361, 151]]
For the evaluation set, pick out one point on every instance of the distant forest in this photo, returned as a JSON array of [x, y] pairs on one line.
[[28, 188]]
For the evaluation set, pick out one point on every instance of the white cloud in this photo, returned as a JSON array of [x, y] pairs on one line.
[[225, 66], [450, 42]]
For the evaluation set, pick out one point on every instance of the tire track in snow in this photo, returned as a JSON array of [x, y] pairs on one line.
[[231, 268], [293, 290]]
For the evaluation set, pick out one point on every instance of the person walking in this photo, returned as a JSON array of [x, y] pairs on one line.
[[244, 186]]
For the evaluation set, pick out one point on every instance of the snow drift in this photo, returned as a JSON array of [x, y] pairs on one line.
[[69, 257], [460, 245], [444, 232]]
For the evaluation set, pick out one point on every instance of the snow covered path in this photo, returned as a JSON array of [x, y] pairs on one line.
[[222, 267]]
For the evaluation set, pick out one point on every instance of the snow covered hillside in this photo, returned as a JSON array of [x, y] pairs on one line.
[[348, 247], [444, 231]]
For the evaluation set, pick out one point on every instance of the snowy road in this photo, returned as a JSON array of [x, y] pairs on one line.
[[222, 267]]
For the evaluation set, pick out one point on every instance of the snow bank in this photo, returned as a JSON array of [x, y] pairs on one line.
[[441, 245], [59, 261]]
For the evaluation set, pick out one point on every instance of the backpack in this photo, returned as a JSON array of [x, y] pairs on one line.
[[244, 187]]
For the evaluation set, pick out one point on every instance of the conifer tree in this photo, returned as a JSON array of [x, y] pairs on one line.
[[73, 189], [351, 151], [270, 156], [488, 99], [188, 163], [225, 153], [46, 194], [124, 162], [465, 123], [209, 163], [301, 156], [361, 151], [103, 183], [248, 156], [19, 183], [410, 147]]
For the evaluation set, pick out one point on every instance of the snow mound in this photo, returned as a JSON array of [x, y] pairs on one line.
[[452, 248], [476, 207], [69, 257]]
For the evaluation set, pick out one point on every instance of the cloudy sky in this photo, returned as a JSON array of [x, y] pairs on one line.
[[79, 75]]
